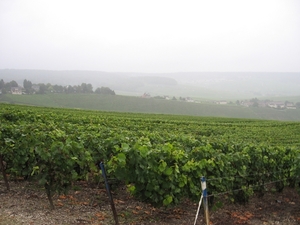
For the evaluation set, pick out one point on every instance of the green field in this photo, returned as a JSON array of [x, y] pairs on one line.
[[141, 105]]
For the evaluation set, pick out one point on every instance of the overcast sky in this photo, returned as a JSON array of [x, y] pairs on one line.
[[151, 36]]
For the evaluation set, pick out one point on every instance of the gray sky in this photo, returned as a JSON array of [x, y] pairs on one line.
[[151, 36]]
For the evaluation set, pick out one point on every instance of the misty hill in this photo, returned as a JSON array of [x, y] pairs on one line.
[[256, 84], [204, 85]]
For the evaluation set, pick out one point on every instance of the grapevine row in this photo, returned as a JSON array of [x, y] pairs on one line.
[[160, 158]]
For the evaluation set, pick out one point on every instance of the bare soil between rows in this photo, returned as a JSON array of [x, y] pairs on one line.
[[26, 203]]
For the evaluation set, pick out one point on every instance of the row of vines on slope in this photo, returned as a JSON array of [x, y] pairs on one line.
[[160, 158]]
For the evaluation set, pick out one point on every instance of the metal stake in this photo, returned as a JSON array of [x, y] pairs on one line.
[[109, 194]]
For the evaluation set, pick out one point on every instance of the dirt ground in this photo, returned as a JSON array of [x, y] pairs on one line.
[[26, 203]]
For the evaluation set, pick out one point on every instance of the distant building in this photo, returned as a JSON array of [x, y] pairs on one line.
[[290, 106], [276, 105], [246, 103], [262, 104], [16, 90], [188, 99], [36, 87], [146, 95], [222, 102]]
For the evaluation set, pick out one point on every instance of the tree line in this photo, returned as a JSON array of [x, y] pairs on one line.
[[41, 88]]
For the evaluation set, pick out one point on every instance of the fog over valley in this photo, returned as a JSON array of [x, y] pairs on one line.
[[204, 85], [201, 49]]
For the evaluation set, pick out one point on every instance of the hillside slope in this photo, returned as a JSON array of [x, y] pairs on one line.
[[144, 105]]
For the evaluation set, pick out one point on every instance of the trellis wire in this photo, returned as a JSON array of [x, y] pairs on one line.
[[248, 175], [240, 189], [227, 192]]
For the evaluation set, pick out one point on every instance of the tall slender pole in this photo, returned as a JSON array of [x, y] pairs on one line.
[[205, 199], [109, 194]]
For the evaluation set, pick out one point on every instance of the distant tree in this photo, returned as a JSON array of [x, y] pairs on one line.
[[58, 88], [237, 102], [7, 86], [2, 86], [77, 89], [89, 88], [84, 88], [298, 105], [43, 88], [174, 98], [158, 97], [255, 102], [50, 87], [27, 86], [14, 84], [2, 83], [105, 91], [70, 89], [286, 103]]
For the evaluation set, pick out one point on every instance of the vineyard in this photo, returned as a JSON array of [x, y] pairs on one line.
[[160, 158]]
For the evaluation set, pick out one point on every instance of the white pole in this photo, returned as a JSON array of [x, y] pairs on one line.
[[198, 210]]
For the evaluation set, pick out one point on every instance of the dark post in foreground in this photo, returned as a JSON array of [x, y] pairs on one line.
[[3, 167], [109, 194]]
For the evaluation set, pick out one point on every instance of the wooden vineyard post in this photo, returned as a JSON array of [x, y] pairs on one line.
[[205, 199]]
